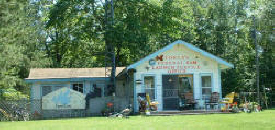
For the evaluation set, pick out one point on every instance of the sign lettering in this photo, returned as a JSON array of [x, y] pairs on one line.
[[175, 63]]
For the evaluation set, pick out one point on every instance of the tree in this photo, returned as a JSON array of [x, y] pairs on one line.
[[19, 49]]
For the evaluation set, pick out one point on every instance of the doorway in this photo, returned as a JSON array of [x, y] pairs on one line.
[[174, 86]]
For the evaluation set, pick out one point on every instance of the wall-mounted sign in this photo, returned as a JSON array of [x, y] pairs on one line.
[[174, 63], [64, 98]]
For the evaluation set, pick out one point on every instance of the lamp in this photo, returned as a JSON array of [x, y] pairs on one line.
[[170, 80], [147, 67]]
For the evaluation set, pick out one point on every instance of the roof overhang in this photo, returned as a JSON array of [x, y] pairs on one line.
[[73, 79], [220, 61]]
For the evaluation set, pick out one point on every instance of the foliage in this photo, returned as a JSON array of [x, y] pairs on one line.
[[12, 94], [18, 46], [66, 33]]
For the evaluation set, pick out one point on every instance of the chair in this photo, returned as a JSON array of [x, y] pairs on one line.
[[145, 101], [142, 102], [228, 100], [152, 105], [189, 100], [214, 100]]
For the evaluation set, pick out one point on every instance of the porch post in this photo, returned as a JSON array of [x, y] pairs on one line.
[[197, 89], [159, 91]]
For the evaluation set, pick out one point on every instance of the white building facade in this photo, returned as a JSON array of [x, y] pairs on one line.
[[177, 69]]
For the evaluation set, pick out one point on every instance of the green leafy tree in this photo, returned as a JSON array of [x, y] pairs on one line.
[[19, 49]]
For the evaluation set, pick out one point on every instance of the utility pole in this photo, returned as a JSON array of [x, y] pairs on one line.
[[257, 60]]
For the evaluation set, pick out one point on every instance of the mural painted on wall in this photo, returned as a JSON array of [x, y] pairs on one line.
[[64, 98], [174, 63]]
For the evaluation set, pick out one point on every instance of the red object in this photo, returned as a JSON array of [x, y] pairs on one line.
[[110, 104]]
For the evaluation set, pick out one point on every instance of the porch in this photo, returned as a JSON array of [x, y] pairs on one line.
[[178, 92], [187, 112]]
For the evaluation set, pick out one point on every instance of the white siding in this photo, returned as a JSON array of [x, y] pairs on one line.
[[197, 86], [159, 91]]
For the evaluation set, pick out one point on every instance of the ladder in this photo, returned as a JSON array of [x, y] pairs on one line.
[[110, 64]]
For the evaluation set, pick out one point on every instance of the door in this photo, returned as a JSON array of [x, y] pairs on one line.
[[170, 92], [173, 88]]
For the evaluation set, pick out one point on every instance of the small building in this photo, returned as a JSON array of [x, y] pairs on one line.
[[53, 90], [166, 74]]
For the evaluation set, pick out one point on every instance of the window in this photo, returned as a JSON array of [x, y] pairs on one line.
[[149, 83], [97, 91], [206, 86], [186, 83], [46, 90], [110, 90], [78, 87], [54, 88]]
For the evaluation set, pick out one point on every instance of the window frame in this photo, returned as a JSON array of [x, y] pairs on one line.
[[201, 85], [155, 85], [77, 83]]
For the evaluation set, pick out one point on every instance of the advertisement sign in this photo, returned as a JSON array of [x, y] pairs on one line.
[[174, 63]]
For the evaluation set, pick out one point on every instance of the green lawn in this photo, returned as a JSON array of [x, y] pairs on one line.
[[240, 121]]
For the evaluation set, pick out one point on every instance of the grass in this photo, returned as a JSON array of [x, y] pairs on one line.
[[241, 121]]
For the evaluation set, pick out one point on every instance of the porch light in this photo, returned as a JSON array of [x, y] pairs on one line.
[[147, 67], [170, 80]]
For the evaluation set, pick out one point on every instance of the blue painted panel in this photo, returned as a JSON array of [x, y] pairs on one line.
[[188, 45]]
